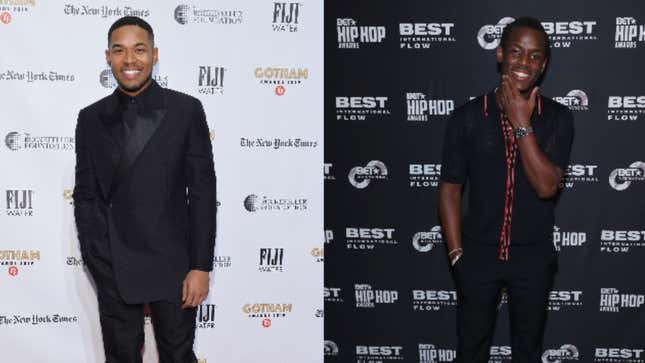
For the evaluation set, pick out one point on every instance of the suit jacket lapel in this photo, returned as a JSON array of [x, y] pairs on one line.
[[111, 118], [111, 144], [147, 124]]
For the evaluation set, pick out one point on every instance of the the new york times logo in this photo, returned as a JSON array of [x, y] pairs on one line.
[[367, 297], [358, 108], [286, 17], [360, 177], [611, 300], [429, 353], [25, 141], [20, 203], [563, 33], [360, 238], [333, 295], [625, 108], [74, 261], [579, 173], [575, 100], [185, 14], [33, 77], [211, 80], [564, 353], [621, 178], [271, 260], [351, 35], [489, 35], [559, 300], [567, 239], [104, 11], [36, 319], [421, 108], [628, 33], [618, 355], [433, 300], [422, 35], [376, 353], [206, 316], [612, 241], [254, 203], [425, 241], [424, 175], [277, 143]]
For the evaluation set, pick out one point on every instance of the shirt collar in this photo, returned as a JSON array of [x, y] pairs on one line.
[[150, 97]]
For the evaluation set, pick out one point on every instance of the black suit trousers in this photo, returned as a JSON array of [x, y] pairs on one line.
[[122, 323], [480, 277]]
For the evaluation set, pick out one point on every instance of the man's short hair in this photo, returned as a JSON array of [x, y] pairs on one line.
[[526, 22], [132, 20]]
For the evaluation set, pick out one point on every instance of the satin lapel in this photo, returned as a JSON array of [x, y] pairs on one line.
[[149, 122], [146, 126]]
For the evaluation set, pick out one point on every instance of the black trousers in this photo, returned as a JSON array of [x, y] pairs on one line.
[[479, 278], [122, 324]]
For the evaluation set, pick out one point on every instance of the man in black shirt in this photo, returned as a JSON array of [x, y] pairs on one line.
[[510, 147]]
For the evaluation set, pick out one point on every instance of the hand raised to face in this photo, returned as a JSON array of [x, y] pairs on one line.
[[517, 108]]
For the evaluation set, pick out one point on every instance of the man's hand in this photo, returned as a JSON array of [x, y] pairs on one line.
[[517, 108], [194, 288]]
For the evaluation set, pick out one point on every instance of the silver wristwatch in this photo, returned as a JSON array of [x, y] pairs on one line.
[[522, 131]]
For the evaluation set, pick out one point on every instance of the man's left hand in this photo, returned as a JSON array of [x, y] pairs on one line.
[[195, 288], [517, 108]]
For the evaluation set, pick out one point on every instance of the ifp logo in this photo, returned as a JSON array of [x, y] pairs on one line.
[[13, 271], [266, 323]]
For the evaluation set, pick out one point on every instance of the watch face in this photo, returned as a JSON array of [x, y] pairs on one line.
[[522, 131]]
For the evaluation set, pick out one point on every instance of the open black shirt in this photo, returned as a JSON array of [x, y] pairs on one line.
[[473, 154]]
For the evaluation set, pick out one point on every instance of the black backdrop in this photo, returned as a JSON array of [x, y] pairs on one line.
[[389, 295]]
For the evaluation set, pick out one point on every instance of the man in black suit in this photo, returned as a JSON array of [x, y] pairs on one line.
[[145, 202]]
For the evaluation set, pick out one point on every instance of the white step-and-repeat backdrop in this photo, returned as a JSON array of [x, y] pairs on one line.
[[257, 66]]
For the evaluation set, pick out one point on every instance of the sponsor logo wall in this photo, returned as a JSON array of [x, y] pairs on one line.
[[257, 69], [396, 73]]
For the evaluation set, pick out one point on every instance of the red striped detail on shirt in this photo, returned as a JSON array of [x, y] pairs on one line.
[[510, 152]]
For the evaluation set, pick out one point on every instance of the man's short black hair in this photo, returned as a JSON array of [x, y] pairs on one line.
[[526, 22], [132, 20]]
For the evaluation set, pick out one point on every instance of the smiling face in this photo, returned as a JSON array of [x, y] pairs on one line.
[[523, 57], [131, 55]]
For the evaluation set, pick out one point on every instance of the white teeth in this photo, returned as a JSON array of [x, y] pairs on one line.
[[131, 72], [521, 75]]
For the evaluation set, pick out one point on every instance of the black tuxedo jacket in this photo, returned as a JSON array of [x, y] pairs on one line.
[[146, 203]]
